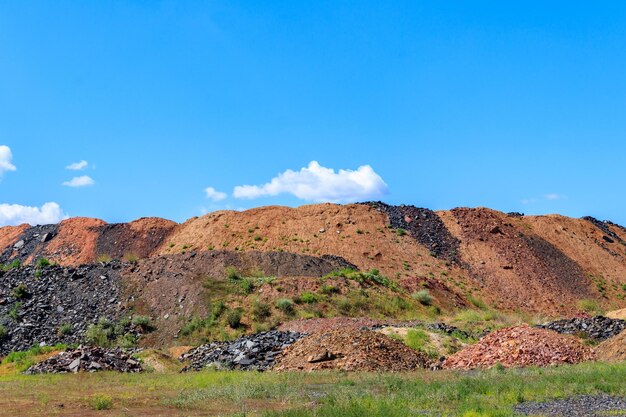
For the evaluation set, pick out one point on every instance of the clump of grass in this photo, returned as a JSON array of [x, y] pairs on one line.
[[20, 292], [142, 322], [260, 310], [417, 339], [104, 258], [101, 402], [106, 333], [329, 289], [65, 329], [400, 231], [3, 332], [42, 263], [589, 306], [14, 311], [15, 264], [232, 273], [25, 359], [308, 297], [285, 305], [131, 257], [234, 318], [371, 276], [423, 297]]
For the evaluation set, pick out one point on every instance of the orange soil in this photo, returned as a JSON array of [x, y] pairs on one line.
[[9, 235], [356, 232], [76, 241]]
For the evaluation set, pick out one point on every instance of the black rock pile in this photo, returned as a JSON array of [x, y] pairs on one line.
[[425, 226], [598, 327], [255, 352], [88, 359], [53, 304]]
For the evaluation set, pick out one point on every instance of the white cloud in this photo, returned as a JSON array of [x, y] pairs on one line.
[[14, 214], [82, 181], [553, 197], [77, 166], [6, 158], [319, 184], [214, 195]]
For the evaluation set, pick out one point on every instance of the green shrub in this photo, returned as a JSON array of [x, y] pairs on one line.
[[13, 265], [19, 292], [309, 298], [234, 318], [260, 310], [142, 321], [101, 402], [232, 273], [401, 232], [14, 311], [3, 332], [247, 286], [371, 276], [285, 305], [477, 302], [126, 341], [329, 289], [65, 329], [217, 310], [423, 297], [42, 263]]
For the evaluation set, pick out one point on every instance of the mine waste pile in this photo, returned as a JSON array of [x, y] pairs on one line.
[[598, 327], [47, 304], [88, 359], [350, 350], [254, 352], [521, 346]]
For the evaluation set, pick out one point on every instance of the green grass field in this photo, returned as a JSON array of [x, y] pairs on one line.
[[479, 393]]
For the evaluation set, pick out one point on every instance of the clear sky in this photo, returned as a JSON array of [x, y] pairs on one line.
[[513, 105]]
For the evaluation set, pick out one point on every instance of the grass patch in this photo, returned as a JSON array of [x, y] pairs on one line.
[[490, 393], [373, 276]]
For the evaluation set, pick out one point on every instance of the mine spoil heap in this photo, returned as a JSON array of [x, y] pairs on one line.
[[253, 352], [518, 347], [36, 302], [350, 350], [598, 327], [87, 359]]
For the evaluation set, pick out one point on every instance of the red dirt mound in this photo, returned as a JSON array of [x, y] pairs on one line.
[[75, 243], [518, 347], [350, 350], [515, 267], [9, 235]]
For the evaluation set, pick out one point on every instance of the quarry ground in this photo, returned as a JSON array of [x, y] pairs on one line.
[[208, 393]]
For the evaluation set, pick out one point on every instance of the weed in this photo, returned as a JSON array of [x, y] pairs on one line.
[[101, 402], [14, 311], [65, 329], [400, 232], [309, 298], [232, 273], [285, 305], [260, 310], [143, 322], [423, 297], [234, 318], [42, 263], [104, 258], [3, 332], [20, 292]]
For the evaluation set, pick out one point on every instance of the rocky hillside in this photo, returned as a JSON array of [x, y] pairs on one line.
[[464, 257]]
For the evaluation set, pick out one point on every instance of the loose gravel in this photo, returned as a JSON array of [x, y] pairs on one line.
[[581, 406]]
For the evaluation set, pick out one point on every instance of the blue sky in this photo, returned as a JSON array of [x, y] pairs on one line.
[[517, 106]]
